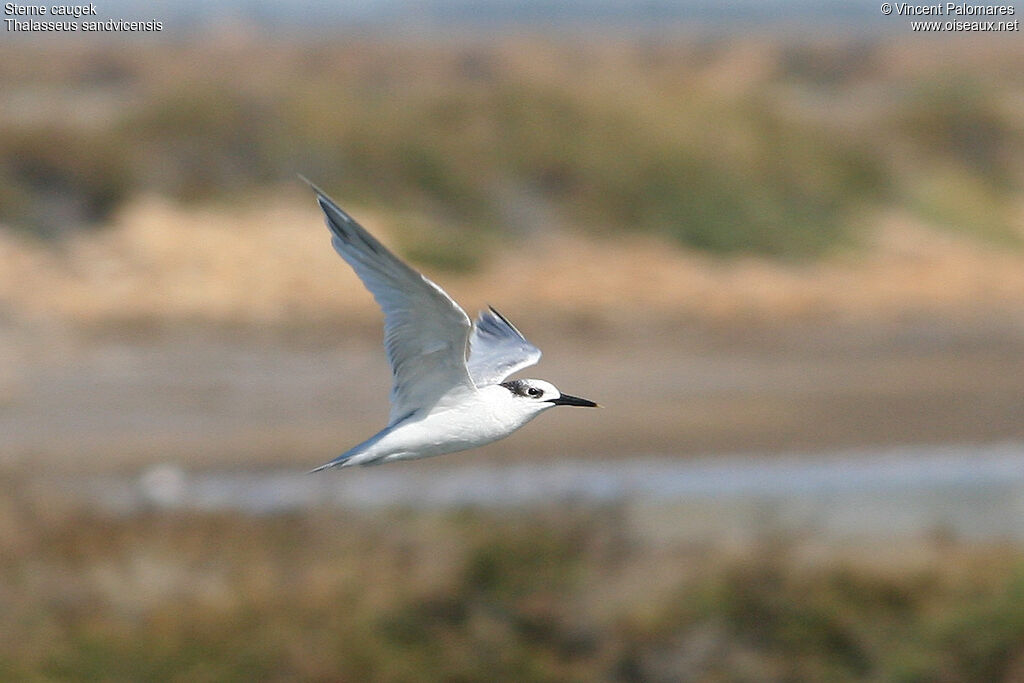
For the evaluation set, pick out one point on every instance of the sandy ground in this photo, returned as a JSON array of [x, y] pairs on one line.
[[243, 396]]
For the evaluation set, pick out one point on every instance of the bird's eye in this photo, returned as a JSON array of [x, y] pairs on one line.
[[534, 392]]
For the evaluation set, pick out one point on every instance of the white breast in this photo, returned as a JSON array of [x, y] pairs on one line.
[[492, 413]]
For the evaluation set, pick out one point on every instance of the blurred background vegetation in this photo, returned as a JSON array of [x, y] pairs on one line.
[[730, 145], [546, 595]]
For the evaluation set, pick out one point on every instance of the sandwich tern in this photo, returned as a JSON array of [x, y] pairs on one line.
[[448, 390]]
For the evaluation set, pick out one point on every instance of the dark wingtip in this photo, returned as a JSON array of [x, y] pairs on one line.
[[327, 205], [506, 321], [322, 198]]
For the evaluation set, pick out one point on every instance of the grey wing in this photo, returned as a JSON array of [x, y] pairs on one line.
[[425, 331], [497, 349]]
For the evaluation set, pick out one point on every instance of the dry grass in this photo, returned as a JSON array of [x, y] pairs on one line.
[[269, 261]]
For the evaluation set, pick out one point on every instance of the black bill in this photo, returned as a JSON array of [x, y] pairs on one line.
[[567, 400]]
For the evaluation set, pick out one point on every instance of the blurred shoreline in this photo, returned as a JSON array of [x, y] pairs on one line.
[[244, 396], [970, 494]]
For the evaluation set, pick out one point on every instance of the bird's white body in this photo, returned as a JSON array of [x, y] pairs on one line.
[[448, 392], [487, 415]]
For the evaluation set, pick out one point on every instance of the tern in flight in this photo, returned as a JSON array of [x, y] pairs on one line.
[[448, 390]]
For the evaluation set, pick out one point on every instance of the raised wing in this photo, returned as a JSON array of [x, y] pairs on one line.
[[425, 332], [497, 349]]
